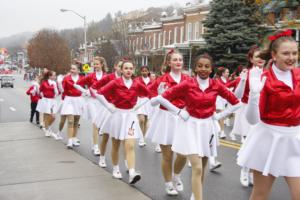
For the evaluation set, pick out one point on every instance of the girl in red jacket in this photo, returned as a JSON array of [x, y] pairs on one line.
[[73, 105], [33, 92], [241, 125], [163, 124], [48, 105], [144, 111], [272, 148], [222, 78], [58, 135], [197, 129], [93, 106], [103, 114], [123, 124]]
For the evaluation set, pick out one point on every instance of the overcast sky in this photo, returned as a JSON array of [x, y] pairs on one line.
[[18, 16]]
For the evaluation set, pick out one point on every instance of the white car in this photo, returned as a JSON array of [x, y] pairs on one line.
[[7, 81]]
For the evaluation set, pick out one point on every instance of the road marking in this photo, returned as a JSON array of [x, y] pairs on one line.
[[12, 109], [229, 144]]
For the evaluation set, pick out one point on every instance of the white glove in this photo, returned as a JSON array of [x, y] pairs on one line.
[[109, 106], [172, 108], [80, 88], [256, 82], [140, 104], [243, 75], [60, 78], [216, 116], [229, 109], [162, 88], [87, 93], [155, 101], [256, 85], [240, 89], [183, 114]]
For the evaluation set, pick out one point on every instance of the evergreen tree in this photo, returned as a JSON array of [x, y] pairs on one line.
[[232, 27]]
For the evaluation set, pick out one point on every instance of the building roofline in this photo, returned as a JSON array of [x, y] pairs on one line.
[[152, 26], [172, 18], [193, 8]]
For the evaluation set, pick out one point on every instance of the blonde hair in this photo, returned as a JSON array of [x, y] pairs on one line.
[[166, 65], [102, 61]]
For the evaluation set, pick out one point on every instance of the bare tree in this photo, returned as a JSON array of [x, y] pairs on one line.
[[48, 49]]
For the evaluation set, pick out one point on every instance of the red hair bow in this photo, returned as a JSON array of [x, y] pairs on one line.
[[170, 51], [287, 33], [125, 58]]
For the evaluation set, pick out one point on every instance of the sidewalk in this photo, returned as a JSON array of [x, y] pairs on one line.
[[33, 167]]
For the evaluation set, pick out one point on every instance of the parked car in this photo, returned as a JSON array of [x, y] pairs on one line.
[[7, 81]]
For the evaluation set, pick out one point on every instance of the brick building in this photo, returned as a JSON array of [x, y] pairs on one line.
[[283, 14], [184, 32]]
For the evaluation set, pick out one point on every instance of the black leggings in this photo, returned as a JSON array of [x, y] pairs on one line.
[[34, 111]]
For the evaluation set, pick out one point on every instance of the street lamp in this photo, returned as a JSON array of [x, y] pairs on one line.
[[85, 29]]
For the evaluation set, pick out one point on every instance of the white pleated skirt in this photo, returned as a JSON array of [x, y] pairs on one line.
[[102, 116], [163, 127], [220, 103], [59, 106], [47, 105], [123, 124], [73, 106], [93, 106], [241, 126], [272, 150], [196, 137], [153, 111]]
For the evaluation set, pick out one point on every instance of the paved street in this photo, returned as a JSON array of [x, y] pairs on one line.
[[21, 142], [35, 167]]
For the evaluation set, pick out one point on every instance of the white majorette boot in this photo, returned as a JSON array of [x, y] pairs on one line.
[[142, 142], [116, 172], [222, 135], [76, 142], [178, 183], [213, 163], [102, 162], [70, 143], [157, 148], [244, 177], [134, 176], [96, 150], [170, 189], [59, 136]]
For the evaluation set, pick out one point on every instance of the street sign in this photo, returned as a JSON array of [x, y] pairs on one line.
[[86, 68]]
